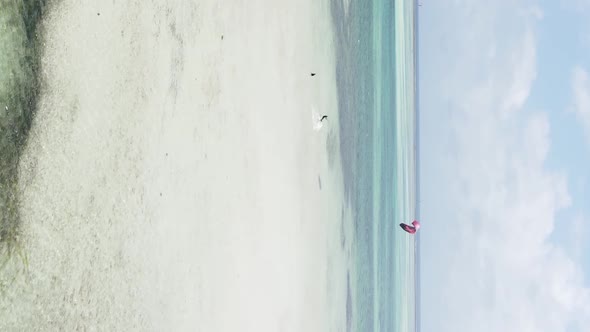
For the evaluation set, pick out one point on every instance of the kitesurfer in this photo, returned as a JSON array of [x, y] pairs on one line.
[[411, 229]]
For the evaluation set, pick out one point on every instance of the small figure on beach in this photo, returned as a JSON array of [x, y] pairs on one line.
[[317, 118], [411, 229]]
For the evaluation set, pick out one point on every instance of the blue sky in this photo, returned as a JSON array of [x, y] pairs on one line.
[[505, 165]]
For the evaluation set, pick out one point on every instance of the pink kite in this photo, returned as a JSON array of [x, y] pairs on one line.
[[411, 229]]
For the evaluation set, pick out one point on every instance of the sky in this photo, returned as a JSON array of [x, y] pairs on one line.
[[505, 165]]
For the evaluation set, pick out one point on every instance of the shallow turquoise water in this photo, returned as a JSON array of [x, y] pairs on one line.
[[376, 73]]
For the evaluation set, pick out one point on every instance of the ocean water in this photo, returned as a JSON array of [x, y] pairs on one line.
[[376, 77]]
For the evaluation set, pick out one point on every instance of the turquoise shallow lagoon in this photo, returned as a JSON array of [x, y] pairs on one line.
[[376, 76]]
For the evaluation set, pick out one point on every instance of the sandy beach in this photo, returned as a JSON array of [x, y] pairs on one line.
[[173, 180]]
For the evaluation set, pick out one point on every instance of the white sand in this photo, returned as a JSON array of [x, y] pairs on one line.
[[171, 181]]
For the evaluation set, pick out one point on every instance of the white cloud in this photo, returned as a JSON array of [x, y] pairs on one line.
[[581, 94], [487, 262]]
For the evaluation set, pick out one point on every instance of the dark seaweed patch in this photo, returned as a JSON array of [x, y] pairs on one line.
[[19, 92]]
